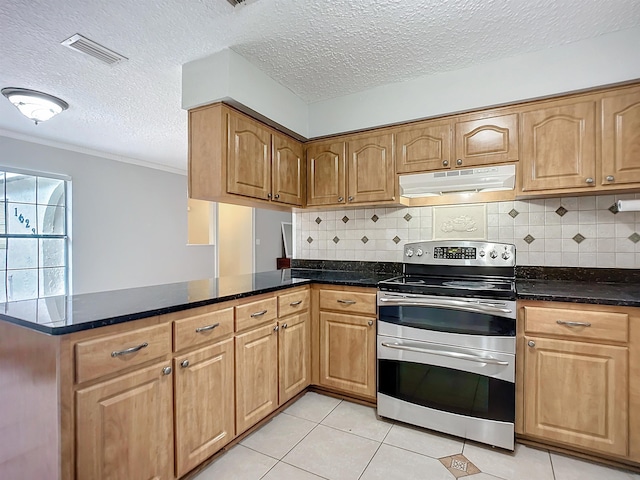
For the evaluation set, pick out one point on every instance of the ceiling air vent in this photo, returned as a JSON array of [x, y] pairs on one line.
[[89, 47], [236, 2]]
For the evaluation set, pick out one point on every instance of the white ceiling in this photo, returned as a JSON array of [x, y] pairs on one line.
[[319, 49]]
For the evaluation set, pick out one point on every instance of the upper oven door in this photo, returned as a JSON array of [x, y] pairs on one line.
[[485, 324]]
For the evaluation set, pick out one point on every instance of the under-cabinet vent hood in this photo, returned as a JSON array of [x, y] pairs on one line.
[[480, 179]]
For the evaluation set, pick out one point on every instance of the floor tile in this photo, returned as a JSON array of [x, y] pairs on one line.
[[392, 463], [279, 436], [481, 476], [423, 441], [525, 464], [313, 406], [239, 463], [359, 420], [283, 471], [568, 468], [332, 454]]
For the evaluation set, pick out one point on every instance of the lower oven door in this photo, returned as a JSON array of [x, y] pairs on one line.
[[465, 392]]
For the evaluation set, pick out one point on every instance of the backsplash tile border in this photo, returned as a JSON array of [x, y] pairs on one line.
[[542, 236]]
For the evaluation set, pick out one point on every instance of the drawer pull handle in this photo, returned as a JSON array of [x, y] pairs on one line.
[[207, 328], [346, 302], [295, 304], [129, 350], [573, 324], [258, 314]]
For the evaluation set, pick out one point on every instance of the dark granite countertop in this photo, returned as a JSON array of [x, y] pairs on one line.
[[66, 314], [601, 293]]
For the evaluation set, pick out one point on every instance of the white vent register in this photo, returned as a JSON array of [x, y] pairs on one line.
[[83, 45], [482, 179]]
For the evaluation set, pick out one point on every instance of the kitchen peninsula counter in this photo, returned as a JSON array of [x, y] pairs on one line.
[[73, 313]]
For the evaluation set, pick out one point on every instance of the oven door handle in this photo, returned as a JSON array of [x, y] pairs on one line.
[[453, 304], [460, 356]]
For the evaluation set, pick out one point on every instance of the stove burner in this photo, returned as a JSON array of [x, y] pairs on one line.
[[470, 285]]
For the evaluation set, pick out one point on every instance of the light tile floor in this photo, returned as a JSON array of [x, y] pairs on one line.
[[321, 437]]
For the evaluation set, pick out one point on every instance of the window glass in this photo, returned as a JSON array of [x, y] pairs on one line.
[[33, 236]]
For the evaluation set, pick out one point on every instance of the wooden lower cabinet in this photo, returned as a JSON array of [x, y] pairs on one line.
[[294, 359], [576, 393], [124, 427], [576, 377], [347, 353], [204, 403], [256, 375]]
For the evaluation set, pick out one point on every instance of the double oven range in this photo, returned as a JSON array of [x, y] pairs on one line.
[[446, 340]]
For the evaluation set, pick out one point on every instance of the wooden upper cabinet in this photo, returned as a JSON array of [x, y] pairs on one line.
[[370, 169], [326, 173], [559, 146], [287, 171], [577, 393], [424, 146], [621, 138], [486, 141], [248, 158]]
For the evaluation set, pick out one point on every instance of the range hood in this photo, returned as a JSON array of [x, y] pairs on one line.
[[482, 179]]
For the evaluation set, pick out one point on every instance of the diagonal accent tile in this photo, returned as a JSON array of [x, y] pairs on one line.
[[459, 466], [561, 211]]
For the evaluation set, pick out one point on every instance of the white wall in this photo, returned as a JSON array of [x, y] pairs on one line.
[[129, 224], [269, 232]]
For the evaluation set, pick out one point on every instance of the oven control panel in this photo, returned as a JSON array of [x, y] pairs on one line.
[[460, 252]]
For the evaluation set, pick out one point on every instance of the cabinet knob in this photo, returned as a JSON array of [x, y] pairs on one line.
[[340, 199], [277, 196], [276, 328], [268, 195], [284, 325], [166, 371], [531, 343], [445, 163], [589, 180], [610, 178], [351, 199], [459, 161], [184, 363], [370, 322]]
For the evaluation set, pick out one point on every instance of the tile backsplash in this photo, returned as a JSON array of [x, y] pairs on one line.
[[568, 231]]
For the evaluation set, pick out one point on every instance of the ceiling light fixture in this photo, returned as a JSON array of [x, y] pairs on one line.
[[36, 106]]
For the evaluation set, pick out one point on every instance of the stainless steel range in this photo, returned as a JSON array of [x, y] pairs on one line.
[[446, 340]]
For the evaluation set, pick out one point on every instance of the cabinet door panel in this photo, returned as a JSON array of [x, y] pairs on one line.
[[125, 427], [294, 356], [487, 141], [559, 146], [204, 403], [577, 393], [424, 147], [248, 158], [288, 171], [370, 171], [326, 174], [256, 375], [347, 353], [621, 138]]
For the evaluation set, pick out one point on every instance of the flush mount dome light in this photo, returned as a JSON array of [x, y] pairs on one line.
[[36, 106]]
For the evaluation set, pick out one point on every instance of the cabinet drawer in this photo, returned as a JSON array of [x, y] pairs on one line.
[[291, 303], [202, 326], [577, 324], [354, 302], [256, 313], [105, 355]]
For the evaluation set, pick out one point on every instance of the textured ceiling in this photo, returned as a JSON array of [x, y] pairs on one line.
[[317, 48]]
